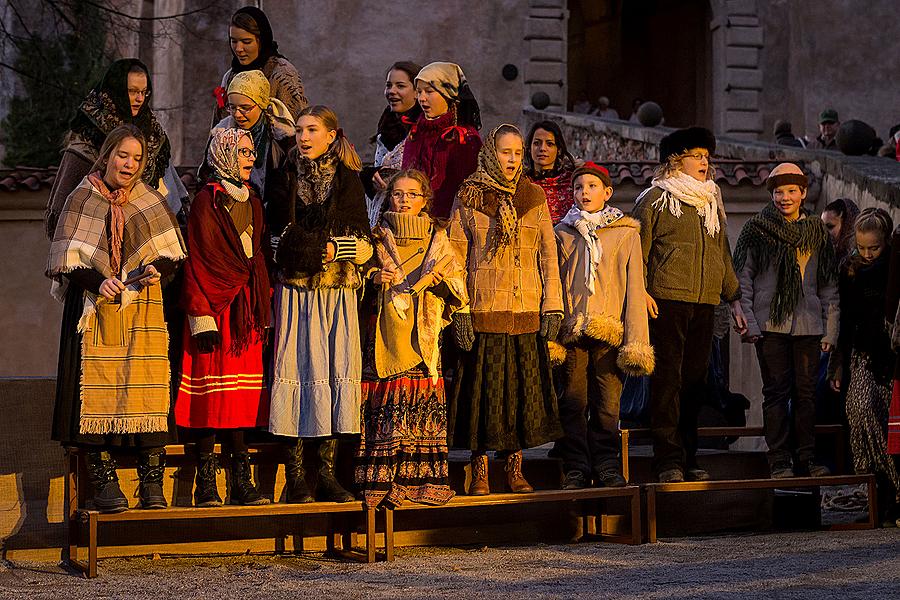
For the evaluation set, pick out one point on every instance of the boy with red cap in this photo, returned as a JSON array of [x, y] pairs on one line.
[[788, 276], [605, 331]]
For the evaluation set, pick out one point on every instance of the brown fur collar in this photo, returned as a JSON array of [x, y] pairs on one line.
[[342, 274]]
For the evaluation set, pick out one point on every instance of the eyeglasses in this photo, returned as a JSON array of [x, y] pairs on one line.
[[142, 93], [696, 156], [244, 110], [399, 195], [247, 152]]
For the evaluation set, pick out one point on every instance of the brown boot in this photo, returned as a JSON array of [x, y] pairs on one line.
[[479, 485], [514, 478]]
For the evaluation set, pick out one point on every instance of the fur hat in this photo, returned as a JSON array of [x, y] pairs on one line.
[[786, 174], [682, 140], [591, 168]]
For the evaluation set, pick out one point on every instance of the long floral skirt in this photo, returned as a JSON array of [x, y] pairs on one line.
[[403, 447], [867, 414]]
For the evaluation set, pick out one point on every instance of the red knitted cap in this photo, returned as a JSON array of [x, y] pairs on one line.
[[592, 168]]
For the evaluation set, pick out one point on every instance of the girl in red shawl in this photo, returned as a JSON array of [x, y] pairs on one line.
[[444, 142], [226, 297]]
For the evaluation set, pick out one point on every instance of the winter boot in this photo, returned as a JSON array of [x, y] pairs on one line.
[[295, 489], [206, 492], [514, 478], [101, 471], [151, 468], [242, 489], [480, 486], [328, 489]]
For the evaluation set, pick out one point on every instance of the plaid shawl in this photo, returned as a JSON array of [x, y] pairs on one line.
[[124, 351], [81, 239]]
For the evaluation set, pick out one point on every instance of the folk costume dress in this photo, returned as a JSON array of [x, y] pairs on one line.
[[503, 396], [317, 364], [113, 376], [403, 447], [226, 289], [106, 107]]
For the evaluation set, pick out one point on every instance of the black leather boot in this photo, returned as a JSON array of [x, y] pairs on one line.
[[295, 489], [242, 489], [151, 468], [206, 492], [328, 489], [101, 471]]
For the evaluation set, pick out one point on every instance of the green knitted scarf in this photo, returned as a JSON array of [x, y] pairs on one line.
[[773, 241]]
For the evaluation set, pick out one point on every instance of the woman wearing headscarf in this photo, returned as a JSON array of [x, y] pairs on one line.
[[503, 396], [254, 49], [444, 141], [121, 97], [226, 296], [252, 108], [393, 126], [116, 238]]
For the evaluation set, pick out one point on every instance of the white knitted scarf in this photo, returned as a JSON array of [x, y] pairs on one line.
[[587, 224], [702, 195]]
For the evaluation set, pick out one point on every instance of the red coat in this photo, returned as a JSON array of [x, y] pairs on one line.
[[446, 153]]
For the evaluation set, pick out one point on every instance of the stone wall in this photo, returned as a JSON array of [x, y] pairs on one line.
[[342, 49]]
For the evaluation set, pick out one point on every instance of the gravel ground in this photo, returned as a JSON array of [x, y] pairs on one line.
[[858, 564]]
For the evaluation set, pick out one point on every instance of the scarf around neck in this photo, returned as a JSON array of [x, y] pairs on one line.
[[116, 198], [397, 228], [314, 177], [774, 242], [587, 224], [490, 176], [702, 195], [393, 127]]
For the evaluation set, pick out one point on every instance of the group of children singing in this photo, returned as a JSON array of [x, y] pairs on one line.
[[323, 314]]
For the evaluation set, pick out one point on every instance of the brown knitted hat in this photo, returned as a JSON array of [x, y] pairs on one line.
[[786, 174]]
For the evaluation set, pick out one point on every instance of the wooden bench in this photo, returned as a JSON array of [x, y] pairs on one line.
[[836, 431], [651, 490], [579, 499], [339, 539]]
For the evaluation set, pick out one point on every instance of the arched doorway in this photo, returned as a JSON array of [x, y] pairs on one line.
[[650, 49]]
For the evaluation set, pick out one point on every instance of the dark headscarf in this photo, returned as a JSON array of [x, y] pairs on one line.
[[107, 106], [268, 47]]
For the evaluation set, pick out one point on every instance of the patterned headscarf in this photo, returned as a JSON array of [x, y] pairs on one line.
[[222, 157], [490, 175]]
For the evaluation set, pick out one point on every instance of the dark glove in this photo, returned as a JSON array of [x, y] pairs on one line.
[[463, 331], [550, 323], [207, 341]]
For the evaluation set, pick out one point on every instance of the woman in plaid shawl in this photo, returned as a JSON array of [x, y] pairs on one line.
[[116, 238]]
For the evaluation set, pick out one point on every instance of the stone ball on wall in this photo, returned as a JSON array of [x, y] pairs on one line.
[[855, 138], [510, 72], [540, 100], [650, 114]]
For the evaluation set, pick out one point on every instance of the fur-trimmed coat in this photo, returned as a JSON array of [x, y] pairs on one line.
[[510, 290], [616, 313]]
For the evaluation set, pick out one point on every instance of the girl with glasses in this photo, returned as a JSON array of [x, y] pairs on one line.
[[251, 107], [226, 295], [418, 286]]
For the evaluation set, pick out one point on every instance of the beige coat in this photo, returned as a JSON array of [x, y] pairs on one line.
[[616, 313], [410, 320], [511, 290]]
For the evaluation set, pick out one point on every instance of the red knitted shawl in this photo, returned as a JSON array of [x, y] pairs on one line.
[[217, 268]]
